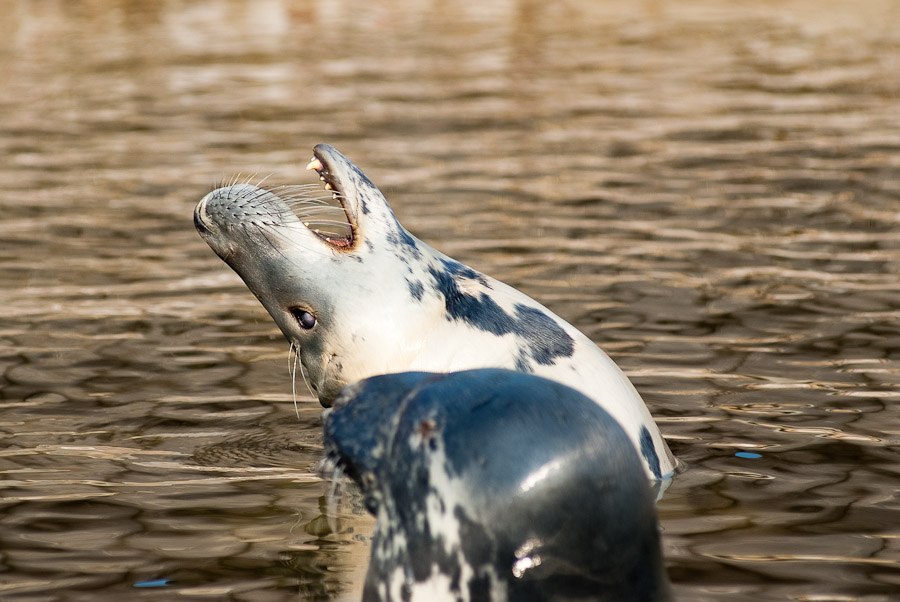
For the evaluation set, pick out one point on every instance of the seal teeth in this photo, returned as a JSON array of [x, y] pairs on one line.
[[314, 164], [328, 186]]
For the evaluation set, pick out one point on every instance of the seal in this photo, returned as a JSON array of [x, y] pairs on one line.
[[357, 295], [495, 485]]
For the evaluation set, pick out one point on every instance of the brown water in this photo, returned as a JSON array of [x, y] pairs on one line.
[[710, 190]]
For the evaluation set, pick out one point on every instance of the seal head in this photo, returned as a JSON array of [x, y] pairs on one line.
[[336, 297], [358, 296], [496, 485]]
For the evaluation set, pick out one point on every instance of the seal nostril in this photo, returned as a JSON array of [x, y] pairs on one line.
[[198, 223]]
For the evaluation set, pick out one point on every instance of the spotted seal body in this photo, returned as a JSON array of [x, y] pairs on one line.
[[375, 299], [496, 485]]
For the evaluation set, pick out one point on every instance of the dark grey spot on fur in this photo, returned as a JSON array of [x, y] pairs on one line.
[[481, 312], [547, 339], [410, 242], [404, 244], [359, 177], [416, 289], [649, 453], [522, 364], [459, 269], [544, 339], [394, 242], [361, 182]]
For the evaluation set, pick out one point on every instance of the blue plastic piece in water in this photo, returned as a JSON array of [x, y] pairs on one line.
[[156, 583], [750, 455]]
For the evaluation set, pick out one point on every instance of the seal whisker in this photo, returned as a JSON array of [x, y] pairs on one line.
[[296, 187], [293, 352], [300, 191], [281, 216], [262, 231], [305, 380], [333, 232], [308, 220], [330, 222], [247, 196], [315, 210], [287, 192], [327, 201], [309, 202], [301, 205], [283, 234], [299, 208], [301, 188], [322, 201], [257, 197], [325, 214], [250, 195], [306, 198], [310, 211], [293, 359]]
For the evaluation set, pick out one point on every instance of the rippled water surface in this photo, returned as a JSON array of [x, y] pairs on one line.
[[710, 190]]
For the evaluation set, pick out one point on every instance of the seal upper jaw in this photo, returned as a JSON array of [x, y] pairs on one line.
[[329, 164]]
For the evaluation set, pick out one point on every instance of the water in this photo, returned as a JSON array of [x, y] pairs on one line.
[[708, 189]]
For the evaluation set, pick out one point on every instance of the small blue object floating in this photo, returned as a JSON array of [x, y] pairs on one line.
[[155, 583], [749, 455]]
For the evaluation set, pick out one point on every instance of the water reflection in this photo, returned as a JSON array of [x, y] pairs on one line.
[[708, 189]]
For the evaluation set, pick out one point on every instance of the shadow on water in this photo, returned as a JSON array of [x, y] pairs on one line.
[[708, 190]]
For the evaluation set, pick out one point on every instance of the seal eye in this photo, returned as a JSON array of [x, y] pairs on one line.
[[304, 318]]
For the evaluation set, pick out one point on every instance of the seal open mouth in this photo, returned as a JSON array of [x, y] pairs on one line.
[[333, 224]]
